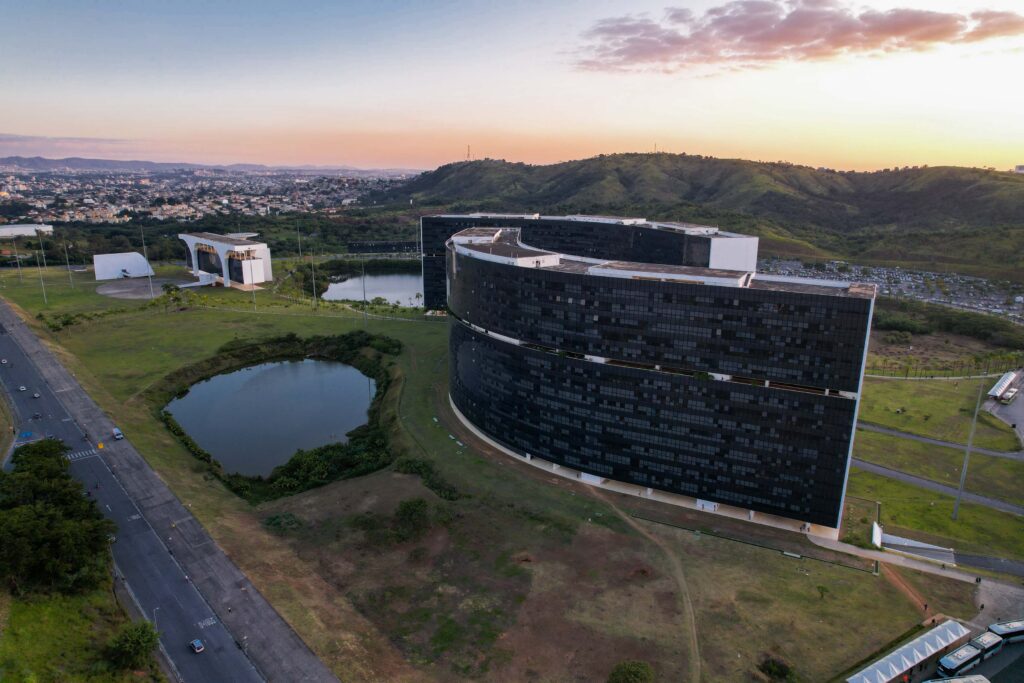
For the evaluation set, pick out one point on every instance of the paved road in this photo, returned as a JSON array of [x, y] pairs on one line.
[[868, 427], [937, 487], [175, 572]]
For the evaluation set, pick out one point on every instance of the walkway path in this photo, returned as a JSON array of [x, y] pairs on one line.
[[937, 487], [868, 427]]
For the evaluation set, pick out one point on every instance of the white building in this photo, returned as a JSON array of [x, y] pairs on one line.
[[117, 266], [24, 230], [234, 259]]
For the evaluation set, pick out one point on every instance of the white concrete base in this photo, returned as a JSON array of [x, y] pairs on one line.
[[676, 499]]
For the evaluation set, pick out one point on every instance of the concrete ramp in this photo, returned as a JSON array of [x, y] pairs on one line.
[[909, 546]]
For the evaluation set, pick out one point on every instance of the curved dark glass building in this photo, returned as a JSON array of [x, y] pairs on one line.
[[652, 358]]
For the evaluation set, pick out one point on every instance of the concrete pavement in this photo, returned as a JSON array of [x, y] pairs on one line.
[[937, 487], [173, 569], [868, 427]]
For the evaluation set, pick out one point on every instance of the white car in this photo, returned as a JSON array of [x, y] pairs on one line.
[[3, 361], [22, 388]]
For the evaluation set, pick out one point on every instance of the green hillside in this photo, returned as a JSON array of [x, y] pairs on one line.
[[943, 217]]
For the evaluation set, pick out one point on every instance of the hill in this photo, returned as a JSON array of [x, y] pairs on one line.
[[942, 217]]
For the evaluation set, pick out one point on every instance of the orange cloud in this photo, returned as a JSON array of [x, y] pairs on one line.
[[749, 33]]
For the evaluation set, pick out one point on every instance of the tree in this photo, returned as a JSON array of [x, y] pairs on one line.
[[631, 671], [133, 644], [52, 537]]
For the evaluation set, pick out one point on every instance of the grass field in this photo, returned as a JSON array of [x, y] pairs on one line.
[[523, 556], [62, 639], [941, 409], [927, 516], [987, 475]]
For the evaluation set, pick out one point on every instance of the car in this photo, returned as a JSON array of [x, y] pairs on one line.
[[197, 646], [3, 361], [35, 395], [22, 388], [117, 434], [37, 416]]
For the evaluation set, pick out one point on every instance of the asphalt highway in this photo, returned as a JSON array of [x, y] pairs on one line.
[[142, 560]]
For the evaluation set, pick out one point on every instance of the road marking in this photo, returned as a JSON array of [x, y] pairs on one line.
[[134, 517], [207, 623], [79, 455], [66, 419], [61, 391]]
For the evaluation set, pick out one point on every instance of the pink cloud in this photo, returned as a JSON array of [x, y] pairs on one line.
[[749, 33]]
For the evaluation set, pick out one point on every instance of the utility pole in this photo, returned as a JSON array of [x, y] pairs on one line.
[[39, 236], [17, 259], [41, 285], [68, 262], [967, 452], [363, 262], [312, 265], [298, 236], [149, 267], [252, 285]]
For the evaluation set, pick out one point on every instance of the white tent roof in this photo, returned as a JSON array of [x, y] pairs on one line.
[[910, 655], [117, 266]]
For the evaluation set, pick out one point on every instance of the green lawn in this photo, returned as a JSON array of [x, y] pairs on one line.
[[940, 409], [917, 513], [987, 475], [62, 639]]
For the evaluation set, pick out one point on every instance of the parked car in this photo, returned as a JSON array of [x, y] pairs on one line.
[[197, 646], [117, 434]]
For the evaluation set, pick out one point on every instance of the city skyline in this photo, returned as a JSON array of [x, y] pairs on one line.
[[846, 85]]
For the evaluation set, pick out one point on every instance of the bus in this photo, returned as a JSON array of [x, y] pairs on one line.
[[1007, 398], [973, 678], [1009, 631], [964, 658], [989, 643]]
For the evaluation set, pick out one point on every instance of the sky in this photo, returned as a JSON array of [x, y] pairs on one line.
[[411, 84]]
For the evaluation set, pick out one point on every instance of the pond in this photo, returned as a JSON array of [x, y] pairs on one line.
[[254, 419], [401, 287]]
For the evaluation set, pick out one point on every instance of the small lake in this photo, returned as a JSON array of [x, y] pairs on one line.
[[402, 287], [254, 419]]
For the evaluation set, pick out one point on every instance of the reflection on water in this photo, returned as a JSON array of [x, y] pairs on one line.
[[396, 287], [254, 419]]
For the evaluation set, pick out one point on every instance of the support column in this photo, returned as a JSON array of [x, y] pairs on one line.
[[224, 266], [194, 253]]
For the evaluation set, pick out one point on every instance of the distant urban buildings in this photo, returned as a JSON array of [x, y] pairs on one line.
[[653, 359], [1019, 169]]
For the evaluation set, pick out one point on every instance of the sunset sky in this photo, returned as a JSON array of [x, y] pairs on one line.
[[382, 83]]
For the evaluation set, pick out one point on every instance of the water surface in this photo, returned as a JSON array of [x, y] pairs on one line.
[[401, 287], [254, 419]]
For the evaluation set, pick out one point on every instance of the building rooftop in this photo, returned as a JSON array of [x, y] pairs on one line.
[[224, 239], [505, 245], [905, 658]]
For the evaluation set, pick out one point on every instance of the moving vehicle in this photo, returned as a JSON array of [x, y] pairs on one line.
[[197, 646], [22, 388], [35, 395], [1008, 397], [962, 659], [3, 361], [117, 434], [1009, 631]]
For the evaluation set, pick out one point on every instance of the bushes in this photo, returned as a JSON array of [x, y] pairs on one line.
[[915, 317], [631, 671], [412, 519], [430, 476], [131, 648]]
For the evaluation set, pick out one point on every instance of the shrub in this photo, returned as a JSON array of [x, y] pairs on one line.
[[412, 519], [132, 646], [631, 671], [775, 668]]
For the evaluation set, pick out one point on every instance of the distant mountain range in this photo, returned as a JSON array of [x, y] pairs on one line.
[[115, 165], [966, 219]]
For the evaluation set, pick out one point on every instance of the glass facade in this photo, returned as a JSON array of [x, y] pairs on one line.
[[745, 396]]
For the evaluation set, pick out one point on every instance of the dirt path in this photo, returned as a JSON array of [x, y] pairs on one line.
[[903, 586], [677, 574]]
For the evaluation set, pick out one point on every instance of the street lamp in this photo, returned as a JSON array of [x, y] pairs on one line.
[[155, 610]]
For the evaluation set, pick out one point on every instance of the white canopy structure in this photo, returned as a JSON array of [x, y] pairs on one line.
[[929, 647], [117, 266], [235, 259]]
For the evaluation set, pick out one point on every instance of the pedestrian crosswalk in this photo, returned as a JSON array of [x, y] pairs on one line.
[[78, 455]]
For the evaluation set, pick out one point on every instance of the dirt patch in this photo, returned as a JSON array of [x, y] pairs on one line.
[[928, 349], [138, 288]]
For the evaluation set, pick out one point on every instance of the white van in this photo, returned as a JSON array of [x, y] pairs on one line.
[[117, 434]]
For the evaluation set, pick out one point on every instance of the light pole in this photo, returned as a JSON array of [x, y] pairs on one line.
[[298, 236], [17, 259], [155, 610], [252, 285], [967, 452], [41, 285], [68, 262], [39, 236], [149, 268], [312, 265], [363, 263]]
